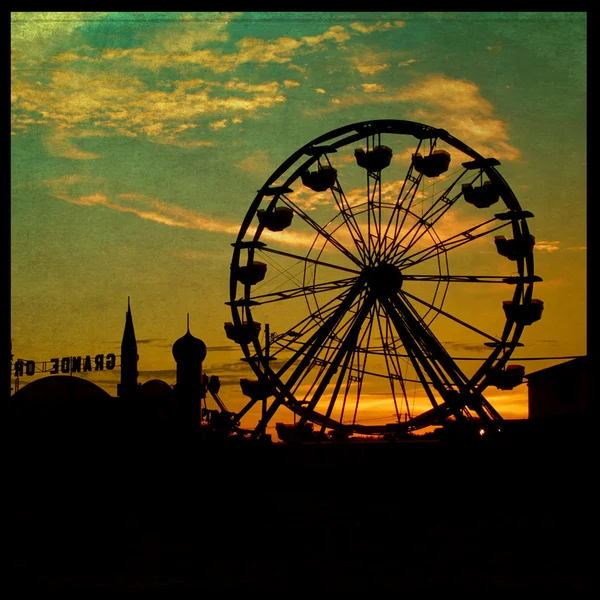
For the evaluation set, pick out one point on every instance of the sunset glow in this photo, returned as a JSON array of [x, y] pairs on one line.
[[140, 140]]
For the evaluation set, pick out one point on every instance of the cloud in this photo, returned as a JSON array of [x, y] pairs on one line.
[[192, 31], [59, 144], [36, 33], [463, 347], [152, 341], [258, 162], [368, 63], [452, 104], [249, 50], [376, 27], [407, 63], [232, 348], [99, 103], [89, 87], [544, 246], [218, 124], [372, 87], [145, 207], [456, 95], [159, 211]]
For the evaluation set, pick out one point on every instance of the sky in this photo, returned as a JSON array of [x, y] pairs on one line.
[[139, 141]]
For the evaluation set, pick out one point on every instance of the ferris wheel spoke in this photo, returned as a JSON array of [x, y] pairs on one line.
[[439, 311], [426, 349], [311, 347], [441, 246], [307, 355], [326, 355], [424, 371], [423, 224], [349, 218], [289, 340], [402, 206], [434, 349], [457, 278], [335, 358], [373, 214], [356, 369], [391, 362], [405, 198], [342, 361], [305, 259], [291, 293], [320, 230]]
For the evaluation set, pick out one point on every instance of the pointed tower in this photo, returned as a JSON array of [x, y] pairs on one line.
[[189, 352], [129, 358]]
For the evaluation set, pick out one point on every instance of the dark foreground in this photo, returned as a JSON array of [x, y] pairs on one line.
[[422, 516]]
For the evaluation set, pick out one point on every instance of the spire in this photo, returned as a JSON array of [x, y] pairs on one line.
[[128, 332], [129, 356]]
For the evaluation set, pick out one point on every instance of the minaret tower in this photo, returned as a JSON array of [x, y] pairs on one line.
[[129, 358], [189, 352]]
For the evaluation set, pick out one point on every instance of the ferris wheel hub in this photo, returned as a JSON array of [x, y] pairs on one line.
[[384, 279]]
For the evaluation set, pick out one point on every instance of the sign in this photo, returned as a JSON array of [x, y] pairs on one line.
[[68, 364]]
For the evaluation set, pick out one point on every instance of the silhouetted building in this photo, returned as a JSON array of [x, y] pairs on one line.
[[560, 390], [189, 352], [61, 405]]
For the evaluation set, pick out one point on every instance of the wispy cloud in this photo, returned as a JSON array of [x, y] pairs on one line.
[[257, 162], [180, 48], [37, 33], [158, 211], [372, 87], [368, 63], [543, 246], [407, 63], [76, 105], [463, 347], [376, 27], [453, 104]]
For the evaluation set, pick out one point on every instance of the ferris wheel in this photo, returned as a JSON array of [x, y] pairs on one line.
[[342, 297]]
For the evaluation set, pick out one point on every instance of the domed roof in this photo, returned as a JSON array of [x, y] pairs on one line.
[[155, 388], [189, 348], [56, 390], [61, 403]]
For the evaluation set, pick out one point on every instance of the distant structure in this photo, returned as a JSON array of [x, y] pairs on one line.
[[61, 405], [129, 359], [189, 352], [560, 390]]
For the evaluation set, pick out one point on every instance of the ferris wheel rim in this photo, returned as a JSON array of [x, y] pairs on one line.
[[360, 131]]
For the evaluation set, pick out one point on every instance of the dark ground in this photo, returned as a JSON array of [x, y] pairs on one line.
[[424, 516]]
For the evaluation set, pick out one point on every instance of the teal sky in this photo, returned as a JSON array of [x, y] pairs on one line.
[[139, 141]]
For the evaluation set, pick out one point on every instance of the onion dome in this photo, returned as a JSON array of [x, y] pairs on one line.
[[189, 348]]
